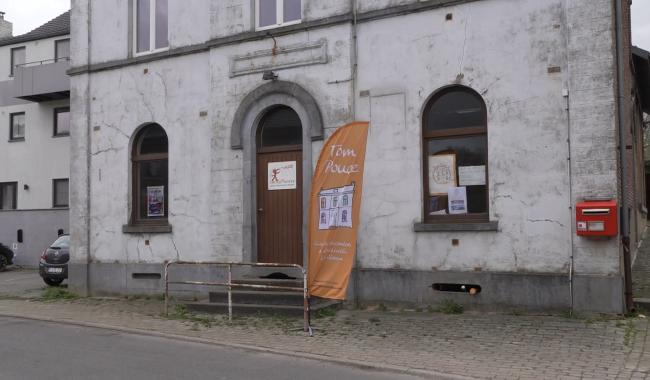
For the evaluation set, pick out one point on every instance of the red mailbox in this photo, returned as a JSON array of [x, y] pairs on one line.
[[597, 218]]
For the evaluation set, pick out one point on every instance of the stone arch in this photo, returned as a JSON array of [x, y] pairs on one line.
[[281, 88]]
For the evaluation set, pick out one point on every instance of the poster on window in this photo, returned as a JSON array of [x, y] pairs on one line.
[[282, 175], [471, 175], [457, 200], [442, 173], [155, 201]]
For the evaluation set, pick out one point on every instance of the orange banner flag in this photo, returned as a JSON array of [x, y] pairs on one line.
[[334, 211]]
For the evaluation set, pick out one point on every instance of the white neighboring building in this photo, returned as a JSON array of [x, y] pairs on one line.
[[34, 137]]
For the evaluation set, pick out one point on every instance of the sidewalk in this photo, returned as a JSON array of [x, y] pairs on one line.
[[467, 345], [641, 275]]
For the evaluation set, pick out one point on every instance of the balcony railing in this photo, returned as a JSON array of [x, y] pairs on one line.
[[42, 81]]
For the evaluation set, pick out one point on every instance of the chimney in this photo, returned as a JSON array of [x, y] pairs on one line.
[[6, 28]]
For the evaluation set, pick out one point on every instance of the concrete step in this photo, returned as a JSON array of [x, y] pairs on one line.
[[258, 297], [245, 309], [265, 281], [253, 309]]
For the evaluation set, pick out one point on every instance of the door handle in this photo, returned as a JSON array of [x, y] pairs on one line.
[[260, 210]]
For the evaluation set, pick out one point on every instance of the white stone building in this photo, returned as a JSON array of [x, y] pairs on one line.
[[35, 143], [195, 98]]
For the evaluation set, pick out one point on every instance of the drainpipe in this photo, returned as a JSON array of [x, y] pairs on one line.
[[88, 148], [353, 57], [566, 94], [625, 233], [353, 64]]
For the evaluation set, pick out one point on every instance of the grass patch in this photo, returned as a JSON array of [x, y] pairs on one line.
[[56, 293], [181, 313], [450, 307], [630, 333], [325, 312]]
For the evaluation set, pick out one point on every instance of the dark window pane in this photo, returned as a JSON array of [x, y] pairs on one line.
[[268, 12], [455, 109], [154, 140], [17, 58], [280, 126], [292, 10], [142, 25], [161, 24], [62, 49], [62, 122], [469, 151], [7, 196], [153, 189], [61, 197], [18, 126]]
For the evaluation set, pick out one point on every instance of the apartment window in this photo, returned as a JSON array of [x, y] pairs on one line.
[[274, 13], [150, 176], [62, 121], [17, 126], [151, 25], [454, 132], [8, 195], [62, 50], [17, 58], [60, 192]]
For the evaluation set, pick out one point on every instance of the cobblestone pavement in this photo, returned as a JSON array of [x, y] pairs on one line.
[[497, 346], [641, 272]]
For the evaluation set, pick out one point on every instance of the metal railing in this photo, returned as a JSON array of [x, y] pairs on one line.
[[241, 284], [43, 62]]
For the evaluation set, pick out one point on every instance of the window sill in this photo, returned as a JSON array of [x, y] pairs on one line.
[[453, 227], [17, 140], [147, 229], [61, 135], [275, 26], [148, 52]]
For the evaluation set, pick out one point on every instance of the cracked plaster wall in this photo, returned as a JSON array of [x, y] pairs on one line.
[[505, 56], [501, 51]]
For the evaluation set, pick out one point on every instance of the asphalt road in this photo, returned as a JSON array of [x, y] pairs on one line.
[[40, 350]]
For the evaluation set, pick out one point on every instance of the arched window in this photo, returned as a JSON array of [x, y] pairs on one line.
[[280, 126], [454, 144], [150, 176]]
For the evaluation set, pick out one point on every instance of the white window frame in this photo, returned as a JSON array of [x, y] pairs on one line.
[[152, 30], [279, 16]]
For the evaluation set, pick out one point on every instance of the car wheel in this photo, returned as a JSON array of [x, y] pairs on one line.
[[3, 262], [53, 281]]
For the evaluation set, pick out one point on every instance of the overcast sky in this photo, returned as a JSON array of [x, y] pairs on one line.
[[29, 14]]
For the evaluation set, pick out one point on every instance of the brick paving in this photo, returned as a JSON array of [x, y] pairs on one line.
[[641, 272], [494, 346]]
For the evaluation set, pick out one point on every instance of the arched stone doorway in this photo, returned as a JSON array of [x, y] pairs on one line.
[[289, 102]]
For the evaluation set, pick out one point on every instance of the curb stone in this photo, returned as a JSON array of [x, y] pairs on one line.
[[302, 355]]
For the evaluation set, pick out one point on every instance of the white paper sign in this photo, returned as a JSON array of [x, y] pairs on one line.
[[282, 175], [442, 173], [14, 247], [458, 200], [471, 175]]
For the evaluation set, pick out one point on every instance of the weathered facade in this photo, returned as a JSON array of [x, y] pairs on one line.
[[35, 143], [543, 73]]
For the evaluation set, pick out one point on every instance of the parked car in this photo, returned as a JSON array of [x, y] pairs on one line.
[[53, 266], [6, 257]]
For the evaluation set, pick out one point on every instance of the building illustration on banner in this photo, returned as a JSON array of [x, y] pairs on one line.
[[335, 207]]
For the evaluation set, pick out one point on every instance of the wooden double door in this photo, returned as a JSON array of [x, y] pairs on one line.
[[279, 211]]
